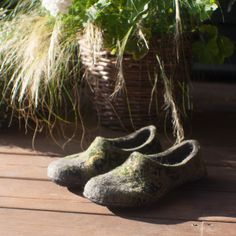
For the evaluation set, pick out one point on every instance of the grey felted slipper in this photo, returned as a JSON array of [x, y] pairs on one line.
[[143, 179], [103, 155]]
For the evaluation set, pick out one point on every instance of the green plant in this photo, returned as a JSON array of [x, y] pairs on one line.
[[39, 66], [134, 23], [39, 45], [127, 27], [212, 48]]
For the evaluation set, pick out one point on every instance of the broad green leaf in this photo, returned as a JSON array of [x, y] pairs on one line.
[[210, 31], [212, 47], [226, 46], [95, 10]]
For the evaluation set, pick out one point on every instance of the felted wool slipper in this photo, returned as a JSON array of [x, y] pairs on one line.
[[103, 155], [143, 179]]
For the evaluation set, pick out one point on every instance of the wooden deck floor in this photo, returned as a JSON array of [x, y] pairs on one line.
[[32, 205]]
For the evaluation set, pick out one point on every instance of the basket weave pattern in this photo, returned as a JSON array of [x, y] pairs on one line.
[[139, 103]]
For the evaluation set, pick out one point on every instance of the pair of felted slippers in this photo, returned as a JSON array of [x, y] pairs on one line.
[[129, 171]]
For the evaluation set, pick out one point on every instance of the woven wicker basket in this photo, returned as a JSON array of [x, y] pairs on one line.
[[139, 103]]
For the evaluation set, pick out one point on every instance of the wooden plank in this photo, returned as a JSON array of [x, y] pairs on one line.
[[217, 155], [24, 167], [179, 204], [18, 143], [78, 205], [214, 156], [26, 160], [218, 179], [33, 189], [216, 151], [28, 167], [194, 205], [23, 172], [218, 229], [213, 96], [14, 141], [220, 155], [23, 223]]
